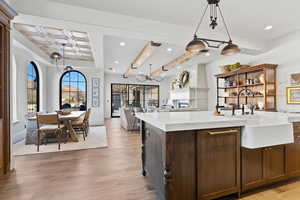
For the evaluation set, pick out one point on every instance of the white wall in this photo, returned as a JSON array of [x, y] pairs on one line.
[[22, 60], [196, 89], [164, 88], [53, 78], [285, 54]]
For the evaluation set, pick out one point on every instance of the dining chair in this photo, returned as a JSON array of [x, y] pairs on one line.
[[48, 123], [83, 124]]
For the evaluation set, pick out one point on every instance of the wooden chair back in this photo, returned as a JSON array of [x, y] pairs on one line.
[[87, 115], [47, 119]]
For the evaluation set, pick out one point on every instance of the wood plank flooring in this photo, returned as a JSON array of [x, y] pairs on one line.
[[111, 173]]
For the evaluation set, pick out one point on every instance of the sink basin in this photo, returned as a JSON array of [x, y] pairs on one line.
[[257, 136], [266, 129]]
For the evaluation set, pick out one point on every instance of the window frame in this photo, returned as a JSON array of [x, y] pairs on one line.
[[61, 84], [37, 86]]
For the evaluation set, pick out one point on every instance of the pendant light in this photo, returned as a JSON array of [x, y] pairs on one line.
[[57, 56], [230, 49], [196, 45], [200, 45]]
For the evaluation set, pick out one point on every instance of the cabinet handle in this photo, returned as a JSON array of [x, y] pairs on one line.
[[222, 132], [268, 149]]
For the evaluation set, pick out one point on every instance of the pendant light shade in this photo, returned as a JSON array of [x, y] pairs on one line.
[[195, 46], [230, 49], [198, 45], [55, 56]]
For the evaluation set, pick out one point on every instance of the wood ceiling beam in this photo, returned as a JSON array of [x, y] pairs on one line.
[[146, 52], [177, 61]]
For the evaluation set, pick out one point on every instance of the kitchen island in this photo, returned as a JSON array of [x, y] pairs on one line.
[[196, 155]]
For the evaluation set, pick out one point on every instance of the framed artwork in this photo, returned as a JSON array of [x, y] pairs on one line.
[[95, 102], [95, 82], [95, 92], [293, 95], [295, 79]]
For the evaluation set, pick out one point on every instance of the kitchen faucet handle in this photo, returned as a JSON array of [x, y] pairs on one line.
[[243, 109], [253, 106]]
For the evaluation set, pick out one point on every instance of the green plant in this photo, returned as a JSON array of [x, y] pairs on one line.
[[235, 66]]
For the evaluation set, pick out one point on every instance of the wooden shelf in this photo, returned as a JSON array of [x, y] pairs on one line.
[[252, 69], [241, 86], [252, 85], [244, 96], [230, 87], [268, 71]]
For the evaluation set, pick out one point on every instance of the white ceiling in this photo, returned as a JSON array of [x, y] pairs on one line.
[[246, 19], [125, 55]]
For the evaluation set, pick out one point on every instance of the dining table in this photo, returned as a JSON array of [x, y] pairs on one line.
[[68, 119], [65, 119]]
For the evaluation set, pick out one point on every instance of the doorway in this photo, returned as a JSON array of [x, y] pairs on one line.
[[133, 95]]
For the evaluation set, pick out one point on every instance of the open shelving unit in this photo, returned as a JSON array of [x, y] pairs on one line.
[[260, 79]]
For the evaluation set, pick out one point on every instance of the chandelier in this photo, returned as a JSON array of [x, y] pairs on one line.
[[199, 45], [57, 56]]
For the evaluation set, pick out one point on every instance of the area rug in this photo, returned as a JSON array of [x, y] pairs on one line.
[[97, 138]]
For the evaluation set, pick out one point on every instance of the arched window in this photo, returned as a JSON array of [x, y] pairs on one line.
[[73, 90], [33, 88]]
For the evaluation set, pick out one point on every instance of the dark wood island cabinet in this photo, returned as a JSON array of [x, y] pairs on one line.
[[188, 164], [210, 163]]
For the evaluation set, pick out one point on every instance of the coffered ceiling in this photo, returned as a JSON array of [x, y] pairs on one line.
[[51, 39]]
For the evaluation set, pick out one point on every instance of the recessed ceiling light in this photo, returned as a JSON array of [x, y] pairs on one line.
[[268, 28], [116, 62], [122, 44], [169, 49]]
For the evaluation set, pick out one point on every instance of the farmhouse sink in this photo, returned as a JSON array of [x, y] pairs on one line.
[[263, 130], [257, 136]]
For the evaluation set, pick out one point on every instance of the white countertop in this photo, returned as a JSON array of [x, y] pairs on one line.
[[178, 121]]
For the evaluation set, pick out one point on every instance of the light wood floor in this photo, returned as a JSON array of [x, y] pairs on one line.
[[111, 173]]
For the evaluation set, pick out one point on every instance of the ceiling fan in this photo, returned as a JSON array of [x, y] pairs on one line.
[[147, 77]]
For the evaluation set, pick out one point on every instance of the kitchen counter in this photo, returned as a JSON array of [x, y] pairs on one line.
[[178, 121], [196, 155]]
